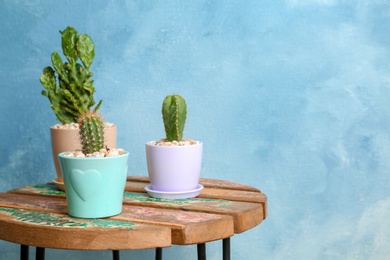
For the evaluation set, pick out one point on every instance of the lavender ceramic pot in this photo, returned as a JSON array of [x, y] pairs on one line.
[[174, 168]]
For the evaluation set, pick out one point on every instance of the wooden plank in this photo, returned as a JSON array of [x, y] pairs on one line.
[[215, 189], [39, 189], [222, 184], [209, 183], [53, 204], [50, 230], [136, 186], [246, 215], [187, 227], [236, 195], [215, 193]]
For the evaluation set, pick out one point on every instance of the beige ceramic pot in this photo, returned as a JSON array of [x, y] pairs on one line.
[[63, 139]]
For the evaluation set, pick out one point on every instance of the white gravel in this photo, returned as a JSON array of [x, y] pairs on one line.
[[164, 142], [102, 153]]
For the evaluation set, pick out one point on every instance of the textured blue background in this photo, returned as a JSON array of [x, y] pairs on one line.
[[288, 96]]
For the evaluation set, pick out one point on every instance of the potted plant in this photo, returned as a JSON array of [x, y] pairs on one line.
[[69, 87], [174, 163], [95, 177]]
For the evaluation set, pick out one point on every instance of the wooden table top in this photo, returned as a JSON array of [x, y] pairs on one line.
[[36, 215]]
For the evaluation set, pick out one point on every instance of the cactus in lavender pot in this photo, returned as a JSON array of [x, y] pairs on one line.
[[91, 132], [174, 111], [68, 84], [174, 163]]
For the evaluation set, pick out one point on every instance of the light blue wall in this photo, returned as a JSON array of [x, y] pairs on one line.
[[288, 96]]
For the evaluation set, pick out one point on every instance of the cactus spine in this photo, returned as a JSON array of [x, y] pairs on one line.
[[91, 132], [174, 111], [72, 94]]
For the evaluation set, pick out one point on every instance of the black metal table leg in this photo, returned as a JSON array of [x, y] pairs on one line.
[[40, 253], [115, 255], [24, 252], [226, 248], [202, 251], [158, 253]]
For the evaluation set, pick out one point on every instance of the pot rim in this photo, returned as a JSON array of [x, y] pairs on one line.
[[92, 158], [53, 127], [150, 144]]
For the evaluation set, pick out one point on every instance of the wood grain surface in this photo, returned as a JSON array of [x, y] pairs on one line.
[[37, 215]]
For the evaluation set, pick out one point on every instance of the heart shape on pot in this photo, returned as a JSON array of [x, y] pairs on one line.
[[85, 183]]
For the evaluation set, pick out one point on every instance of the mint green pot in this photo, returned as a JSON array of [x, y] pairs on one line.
[[94, 186]]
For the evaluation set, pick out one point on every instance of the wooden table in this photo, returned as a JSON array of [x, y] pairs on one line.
[[36, 215]]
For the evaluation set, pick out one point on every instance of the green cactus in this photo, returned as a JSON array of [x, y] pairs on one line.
[[91, 132], [174, 111], [72, 94]]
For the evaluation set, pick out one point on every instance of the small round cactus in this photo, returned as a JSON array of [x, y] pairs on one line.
[[174, 111], [91, 132]]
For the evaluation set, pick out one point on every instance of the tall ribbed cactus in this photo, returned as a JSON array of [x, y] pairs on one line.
[[91, 132], [174, 111], [72, 95]]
